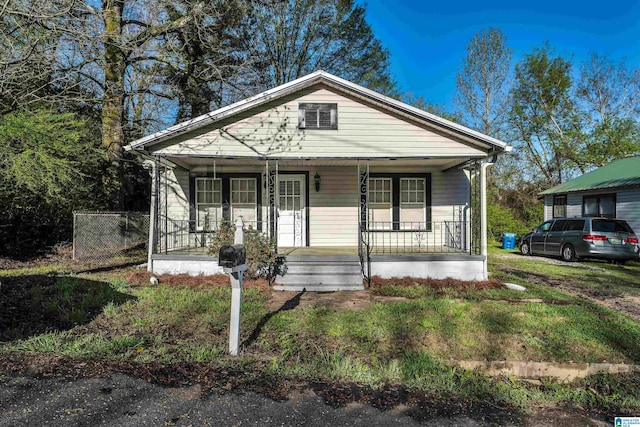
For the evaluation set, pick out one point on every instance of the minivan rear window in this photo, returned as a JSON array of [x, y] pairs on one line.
[[575, 225], [610, 226]]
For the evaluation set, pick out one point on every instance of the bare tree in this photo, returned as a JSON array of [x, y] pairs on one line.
[[608, 96], [482, 82], [292, 38]]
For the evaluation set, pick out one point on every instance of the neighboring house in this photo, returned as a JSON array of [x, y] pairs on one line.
[[612, 191], [349, 182]]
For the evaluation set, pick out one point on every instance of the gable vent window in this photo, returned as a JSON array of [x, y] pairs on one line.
[[318, 116]]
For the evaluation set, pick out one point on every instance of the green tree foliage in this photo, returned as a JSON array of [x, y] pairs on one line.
[[292, 38], [543, 117], [49, 166]]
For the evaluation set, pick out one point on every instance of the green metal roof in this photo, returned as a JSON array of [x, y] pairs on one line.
[[619, 173]]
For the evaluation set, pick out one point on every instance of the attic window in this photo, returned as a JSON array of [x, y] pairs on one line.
[[318, 116]]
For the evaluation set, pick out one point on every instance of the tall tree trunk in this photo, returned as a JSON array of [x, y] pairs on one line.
[[112, 105]]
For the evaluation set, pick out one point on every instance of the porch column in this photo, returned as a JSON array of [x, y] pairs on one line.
[[152, 167], [272, 179], [483, 214]]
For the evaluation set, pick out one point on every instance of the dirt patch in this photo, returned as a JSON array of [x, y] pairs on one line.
[[548, 260], [141, 278], [340, 300], [378, 282], [61, 254], [626, 304]]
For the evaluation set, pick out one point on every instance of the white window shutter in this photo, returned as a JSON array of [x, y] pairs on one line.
[[301, 120]]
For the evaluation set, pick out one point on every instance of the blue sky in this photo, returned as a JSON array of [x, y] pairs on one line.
[[428, 40]]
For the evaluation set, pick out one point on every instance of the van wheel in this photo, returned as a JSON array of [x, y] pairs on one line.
[[568, 253], [525, 249]]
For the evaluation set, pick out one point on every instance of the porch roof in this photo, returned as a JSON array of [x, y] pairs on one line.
[[444, 163]]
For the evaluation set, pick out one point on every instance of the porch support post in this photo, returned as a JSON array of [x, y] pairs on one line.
[[272, 178], [152, 167], [483, 214]]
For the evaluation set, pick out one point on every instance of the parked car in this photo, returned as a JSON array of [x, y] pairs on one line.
[[582, 237]]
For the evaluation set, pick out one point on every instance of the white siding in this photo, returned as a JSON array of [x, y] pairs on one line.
[[333, 211], [363, 131], [548, 207], [174, 194], [628, 207]]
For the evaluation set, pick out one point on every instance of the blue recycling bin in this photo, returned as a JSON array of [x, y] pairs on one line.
[[508, 240]]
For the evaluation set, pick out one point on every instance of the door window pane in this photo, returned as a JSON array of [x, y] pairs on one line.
[[243, 199], [208, 203]]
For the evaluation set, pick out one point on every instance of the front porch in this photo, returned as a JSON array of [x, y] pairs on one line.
[[335, 268], [372, 217]]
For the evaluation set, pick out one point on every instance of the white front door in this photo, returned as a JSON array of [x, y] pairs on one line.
[[291, 219]]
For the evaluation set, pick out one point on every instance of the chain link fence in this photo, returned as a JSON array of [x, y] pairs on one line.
[[100, 236]]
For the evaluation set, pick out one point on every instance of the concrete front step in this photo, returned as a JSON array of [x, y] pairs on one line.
[[317, 288], [311, 273]]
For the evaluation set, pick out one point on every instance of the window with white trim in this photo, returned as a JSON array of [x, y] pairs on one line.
[[399, 202], [412, 203], [208, 203], [559, 206], [317, 116], [243, 200], [380, 204]]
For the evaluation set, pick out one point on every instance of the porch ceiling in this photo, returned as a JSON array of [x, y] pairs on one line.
[[195, 162]]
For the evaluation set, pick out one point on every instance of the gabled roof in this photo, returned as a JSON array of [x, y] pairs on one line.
[[304, 82], [619, 173]]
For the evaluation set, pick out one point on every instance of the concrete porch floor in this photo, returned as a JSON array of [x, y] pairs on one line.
[[319, 250], [329, 251]]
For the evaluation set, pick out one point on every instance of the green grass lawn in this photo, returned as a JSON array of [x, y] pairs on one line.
[[407, 341], [599, 278]]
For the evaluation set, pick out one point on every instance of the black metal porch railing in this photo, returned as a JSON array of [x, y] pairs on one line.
[[406, 238], [186, 236]]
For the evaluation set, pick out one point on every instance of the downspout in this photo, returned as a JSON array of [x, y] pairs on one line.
[[152, 167]]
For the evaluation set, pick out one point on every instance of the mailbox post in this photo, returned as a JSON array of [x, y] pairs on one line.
[[233, 261]]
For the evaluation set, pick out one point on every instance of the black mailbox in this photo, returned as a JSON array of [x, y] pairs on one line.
[[232, 256]]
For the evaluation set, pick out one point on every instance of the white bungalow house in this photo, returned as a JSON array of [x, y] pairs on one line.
[[350, 184]]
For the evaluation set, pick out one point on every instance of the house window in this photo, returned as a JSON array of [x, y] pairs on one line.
[[243, 200], [412, 203], [380, 207], [600, 205], [399, 202], [208, 203], [559, 206], [225, 196], [318, 116]]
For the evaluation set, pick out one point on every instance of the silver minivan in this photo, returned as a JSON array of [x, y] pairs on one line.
[[582, 237]]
